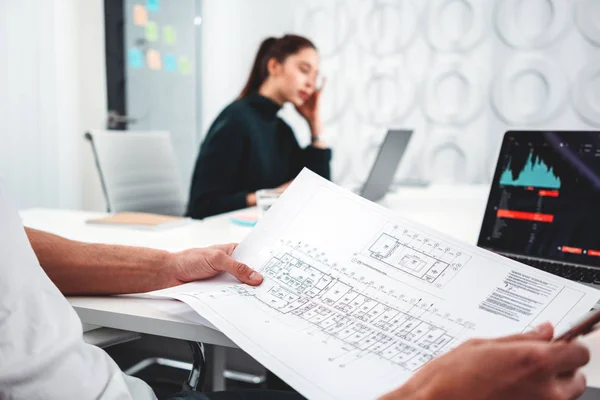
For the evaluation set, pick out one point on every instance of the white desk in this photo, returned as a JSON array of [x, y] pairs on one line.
[[456, 210], [71, 224]]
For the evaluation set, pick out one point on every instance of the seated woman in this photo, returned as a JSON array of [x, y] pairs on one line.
[[248, 147]]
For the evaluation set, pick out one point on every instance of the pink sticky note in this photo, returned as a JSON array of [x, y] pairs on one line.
[[140, 15], [153, 59]]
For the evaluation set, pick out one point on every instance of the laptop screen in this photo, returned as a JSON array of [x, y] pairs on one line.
[[384, 168], [545, 197]]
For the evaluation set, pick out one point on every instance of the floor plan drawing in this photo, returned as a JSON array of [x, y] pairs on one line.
[[411, 253], [355, 299], [341, 309]]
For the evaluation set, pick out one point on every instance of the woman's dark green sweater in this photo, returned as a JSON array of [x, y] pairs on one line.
[[248, 148]]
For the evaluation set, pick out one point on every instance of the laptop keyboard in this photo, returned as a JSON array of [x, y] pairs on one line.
[[568, 271]]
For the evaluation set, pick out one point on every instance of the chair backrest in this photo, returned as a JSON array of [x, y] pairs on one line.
[[138, 171]]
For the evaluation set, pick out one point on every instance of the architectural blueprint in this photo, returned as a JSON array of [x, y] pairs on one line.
[[409, 252], [355, 299], [407, 332]]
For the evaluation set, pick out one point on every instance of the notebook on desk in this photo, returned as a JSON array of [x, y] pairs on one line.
[[140, 220]]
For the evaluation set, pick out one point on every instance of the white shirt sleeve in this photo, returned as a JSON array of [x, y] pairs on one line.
[[42, 352]]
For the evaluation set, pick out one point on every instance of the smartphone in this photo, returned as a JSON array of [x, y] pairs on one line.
[[582, 328]]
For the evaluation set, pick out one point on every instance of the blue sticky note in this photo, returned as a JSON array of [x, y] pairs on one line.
[[136, 58], [170, 63], [243, 222], [152, 5], [244, 219]]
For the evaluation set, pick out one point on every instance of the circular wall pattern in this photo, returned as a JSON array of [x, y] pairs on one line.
[[329, 24], [385, 97], [455, 25], [586, 94], [447, 162], [453, 93], [587, 16], [531, 23], [387, 27], [523, 51], [336, 97], [531, 89]]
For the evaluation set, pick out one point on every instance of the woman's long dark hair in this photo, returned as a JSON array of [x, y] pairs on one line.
[[277, 48]]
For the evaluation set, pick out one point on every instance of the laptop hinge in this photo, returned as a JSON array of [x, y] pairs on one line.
[[546, 260]]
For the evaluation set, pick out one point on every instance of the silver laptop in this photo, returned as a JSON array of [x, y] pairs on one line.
[[544, 204], [384, 168]]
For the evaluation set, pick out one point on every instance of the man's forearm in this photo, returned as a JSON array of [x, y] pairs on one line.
[[82, 268]]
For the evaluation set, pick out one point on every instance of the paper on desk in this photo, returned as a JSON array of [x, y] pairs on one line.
[[356, 299]]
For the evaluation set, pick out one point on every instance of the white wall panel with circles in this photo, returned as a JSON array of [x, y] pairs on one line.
[[532, 23], [331, 23], [586, 94], [448, 158], [456, 25], [387, 27], [454, 93], [385, 94], [529, 90], [489, 65], [459, 72], [587, 15]]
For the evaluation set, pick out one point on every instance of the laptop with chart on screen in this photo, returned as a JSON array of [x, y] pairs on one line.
[[544, 203]]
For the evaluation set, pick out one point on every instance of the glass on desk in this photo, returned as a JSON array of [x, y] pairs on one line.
[[265, 198]]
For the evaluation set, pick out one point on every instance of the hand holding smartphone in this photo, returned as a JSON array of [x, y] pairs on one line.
[[580, 329]]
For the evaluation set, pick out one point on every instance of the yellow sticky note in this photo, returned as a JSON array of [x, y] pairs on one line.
[[169, 35], [153, 59], [151, 31], [185, 66], [140, 15]]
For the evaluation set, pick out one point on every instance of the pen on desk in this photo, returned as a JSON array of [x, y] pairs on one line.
[[580, 329]]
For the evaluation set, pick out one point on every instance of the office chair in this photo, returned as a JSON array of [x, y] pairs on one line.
[[138, 171], [106, 337]]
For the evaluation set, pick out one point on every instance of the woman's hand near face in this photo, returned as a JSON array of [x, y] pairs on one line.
[[310, 111], [310, 108]]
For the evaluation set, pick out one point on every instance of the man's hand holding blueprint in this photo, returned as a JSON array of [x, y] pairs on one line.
[[356, 301]]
